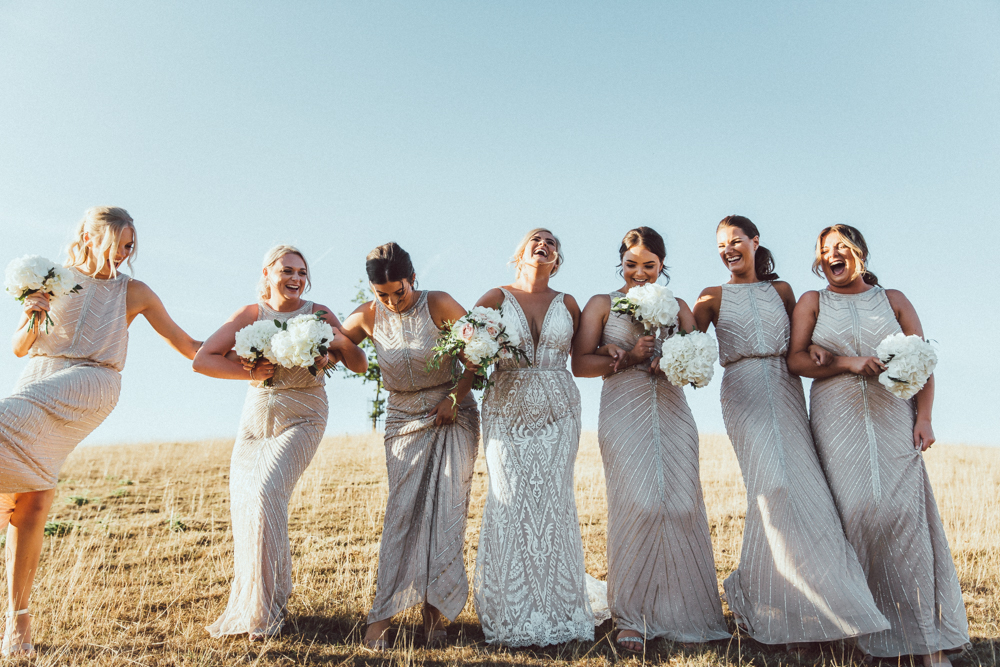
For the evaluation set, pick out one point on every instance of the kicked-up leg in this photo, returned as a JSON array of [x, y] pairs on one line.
[[24, 547]]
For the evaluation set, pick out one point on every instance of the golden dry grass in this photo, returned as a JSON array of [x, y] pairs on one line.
[[148, 562]]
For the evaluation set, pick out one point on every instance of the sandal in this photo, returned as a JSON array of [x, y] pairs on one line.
[[9, 649], [638, 643]]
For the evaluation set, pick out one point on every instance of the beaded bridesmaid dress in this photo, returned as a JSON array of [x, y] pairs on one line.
[[421, 557], [530, 586], [280, 430], [864, 435], [70, 385], [798, 579], [661, 571]]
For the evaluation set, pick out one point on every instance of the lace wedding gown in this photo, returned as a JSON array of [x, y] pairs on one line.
[[530, 586]]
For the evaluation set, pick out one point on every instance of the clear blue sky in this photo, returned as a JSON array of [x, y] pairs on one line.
[[453, 128]]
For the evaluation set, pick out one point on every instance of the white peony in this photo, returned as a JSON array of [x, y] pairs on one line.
[[254, 341], [482, 346], [655, 304], [909, 361], [298, 345], [511, 325], [689, 359]]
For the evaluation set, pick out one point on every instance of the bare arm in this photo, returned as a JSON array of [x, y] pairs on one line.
[[574, 311], [359, 324], [906, 315], [587, 360], [685, 318], [212, 359], [446, 310], [141, 300], [799, 359], [706, 308], [35, 306], [342, 348], [787, 295], [492, 299]]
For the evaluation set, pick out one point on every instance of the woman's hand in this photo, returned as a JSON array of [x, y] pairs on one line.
[[324, 360], [923, 435], [820, 355], [642, 351], [36, 303], [868, 366], [619, 357], [260, 370], [446, 411], [654, 367]]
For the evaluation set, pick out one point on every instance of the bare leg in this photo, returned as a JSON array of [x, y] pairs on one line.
[[24, 547], [936, 659], [375, 635]]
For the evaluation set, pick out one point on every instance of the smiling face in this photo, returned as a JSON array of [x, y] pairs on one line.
[[737, 250], [106, 257], [397, 296], [839, 262], [541, 250], [287, 277], [640, 266]]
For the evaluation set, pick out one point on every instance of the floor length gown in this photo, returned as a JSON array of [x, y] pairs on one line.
[[70, 385], [421, 555], [661, 571], [280, 430], [864, 435], [530, 586], [798, 579]]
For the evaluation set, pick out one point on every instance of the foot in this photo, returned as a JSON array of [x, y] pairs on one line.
[[433, 625], [631, 641], [938, 659], [17, 635], [375, 636]]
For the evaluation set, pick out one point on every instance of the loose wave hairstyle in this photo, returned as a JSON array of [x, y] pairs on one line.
[[389, 263], [763, 260], [648, 238], [516, 258], [272, 256], [104, 226], [853, 239]]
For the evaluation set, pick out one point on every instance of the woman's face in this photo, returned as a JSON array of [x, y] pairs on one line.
[[737, 249], [540, 251], [397, 295], [640, 266], [126, 243], [840, 266], [287, 276]]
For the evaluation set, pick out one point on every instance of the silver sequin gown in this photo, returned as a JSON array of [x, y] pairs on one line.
[[70, 385], [661, 571], [280, 430], [530, 586], [798, 579], [421, 557], [864, 436]]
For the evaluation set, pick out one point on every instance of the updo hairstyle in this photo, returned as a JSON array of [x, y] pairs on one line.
[[854, 240], [763, 260], [105, 225], [272, 256], [648, 238], [388, 263]]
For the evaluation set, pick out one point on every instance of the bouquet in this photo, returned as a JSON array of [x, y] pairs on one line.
[[689, 358], [253, 342], [483, 336], [651, 304], [909, 361], [31, 274], [300, 340]]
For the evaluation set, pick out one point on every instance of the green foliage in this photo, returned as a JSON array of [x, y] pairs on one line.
[[79, 501], [58, 528], [177, 526], [120, 493], [374, 373]]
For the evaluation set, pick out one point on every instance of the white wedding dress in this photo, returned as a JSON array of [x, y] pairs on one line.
[[530, 587]]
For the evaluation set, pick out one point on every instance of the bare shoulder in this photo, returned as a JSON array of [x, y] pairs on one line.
[[599, 303], [329, 316], [571, 303], [492, 299], [783, 289], [896, 298], [139, 290], [439, 298], [809, 299], [713, 293]]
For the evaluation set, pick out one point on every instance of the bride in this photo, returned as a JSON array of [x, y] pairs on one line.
[[530, 586]]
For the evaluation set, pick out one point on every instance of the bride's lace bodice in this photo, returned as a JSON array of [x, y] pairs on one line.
[[554, 340]]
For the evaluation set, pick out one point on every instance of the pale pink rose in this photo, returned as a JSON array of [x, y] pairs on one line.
[[466, 332], [492, 330]]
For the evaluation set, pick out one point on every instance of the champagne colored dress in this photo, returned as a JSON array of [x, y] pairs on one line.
[[530, 586], [864, 436], [430, 471], [798, 580], [280, 430], [661, 571], [70, 385]]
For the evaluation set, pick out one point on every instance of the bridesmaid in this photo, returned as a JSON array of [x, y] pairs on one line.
[[661, 572], [530, 583], [280, 430], [798, 580], [431, 438], [70, 385], [870, 444]]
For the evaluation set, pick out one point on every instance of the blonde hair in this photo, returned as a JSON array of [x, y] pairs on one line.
[[516, 259], [104, 225], [272, 256], [855, 241]]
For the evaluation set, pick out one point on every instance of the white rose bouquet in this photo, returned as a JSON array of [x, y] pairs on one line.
[[300, 340], [32, 274], [483, 336], [253, 342], [651, 304], [689, 358], [909, 361]]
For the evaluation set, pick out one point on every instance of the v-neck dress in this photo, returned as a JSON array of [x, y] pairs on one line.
[[530, 586]]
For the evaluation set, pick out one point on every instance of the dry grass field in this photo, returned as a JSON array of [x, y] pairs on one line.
[[147, 559]]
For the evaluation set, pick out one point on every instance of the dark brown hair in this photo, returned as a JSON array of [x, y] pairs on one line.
[[853, 239], [388, 263], [763, 260], [648, 238]]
